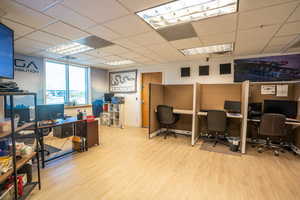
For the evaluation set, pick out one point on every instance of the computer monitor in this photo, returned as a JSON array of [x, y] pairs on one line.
[[232, 106], [50, 112], [108, 96], [256, 107], [6, 52], [285, 107], [22, 113]]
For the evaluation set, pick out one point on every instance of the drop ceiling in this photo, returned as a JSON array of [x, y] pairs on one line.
[[259, 26]]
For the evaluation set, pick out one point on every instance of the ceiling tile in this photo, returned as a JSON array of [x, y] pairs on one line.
[[186, 43], [283, 40], [83, 56], [46, 38], [128, 25], [69, 16], [130, 55], [261, 17], [19, 29], [218, 39], [2, 13], [253, 41], [148, 38], [289, 29], [293, 50], [142, 59], [65, 31], [21, 14], [100, 11], [103, 32], [216, 25], [38, 5], [295, 16], [126, 43], [97, 53], [27, 44], [245, 5], [27, 50], [166, 51], [114, 49], [273, 49], [112, 58], [138, 5]]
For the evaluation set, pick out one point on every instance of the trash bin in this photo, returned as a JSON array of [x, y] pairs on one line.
[[234, 143]]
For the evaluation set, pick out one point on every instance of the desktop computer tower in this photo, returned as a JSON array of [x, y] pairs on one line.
[[63, 131]]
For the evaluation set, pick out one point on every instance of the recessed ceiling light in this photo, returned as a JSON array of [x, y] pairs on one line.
[[120, 62], [208, 49], [182, 11], [69, 49]]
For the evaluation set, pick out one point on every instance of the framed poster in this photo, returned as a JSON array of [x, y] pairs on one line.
[[123, 81]]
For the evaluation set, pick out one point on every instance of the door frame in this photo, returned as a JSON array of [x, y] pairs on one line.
[[141, 93]]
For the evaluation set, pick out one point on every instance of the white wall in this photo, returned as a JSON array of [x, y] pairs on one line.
[[171, 75]]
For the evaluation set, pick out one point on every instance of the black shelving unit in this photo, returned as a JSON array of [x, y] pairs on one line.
[[17, 164]]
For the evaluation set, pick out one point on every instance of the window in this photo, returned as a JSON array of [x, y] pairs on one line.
[[66, 84], [77, 84]]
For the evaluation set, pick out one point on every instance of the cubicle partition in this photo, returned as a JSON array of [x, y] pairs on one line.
[[257, 95], [180, 97], [213, 96]]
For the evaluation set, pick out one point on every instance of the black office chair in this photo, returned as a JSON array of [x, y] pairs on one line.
[[166, 118], [272, 128], [217, 123]]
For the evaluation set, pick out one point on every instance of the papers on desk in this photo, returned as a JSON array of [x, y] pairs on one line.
[[282, 90]]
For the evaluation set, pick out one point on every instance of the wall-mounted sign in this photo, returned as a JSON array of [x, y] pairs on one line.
[[26, 66], [123, 81], [268, 89]]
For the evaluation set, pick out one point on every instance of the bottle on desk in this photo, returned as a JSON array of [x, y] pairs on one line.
[[79, 115]]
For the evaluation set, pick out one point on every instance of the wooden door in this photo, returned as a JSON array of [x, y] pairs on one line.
[[147, 78]]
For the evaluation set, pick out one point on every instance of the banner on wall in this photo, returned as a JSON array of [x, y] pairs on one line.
[[26, 65], [123, 81]]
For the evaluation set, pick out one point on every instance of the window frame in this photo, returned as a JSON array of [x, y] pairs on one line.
[[67, 80]]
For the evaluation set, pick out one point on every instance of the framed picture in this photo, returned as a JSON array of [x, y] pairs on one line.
[[123, 81]]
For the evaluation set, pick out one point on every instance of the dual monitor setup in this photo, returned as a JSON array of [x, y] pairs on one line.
[[49, 112], [285, 107]]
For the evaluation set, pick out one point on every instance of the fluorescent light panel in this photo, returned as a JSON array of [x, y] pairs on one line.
[[69, 49], [120, 62], [208, 49], [182, 11]]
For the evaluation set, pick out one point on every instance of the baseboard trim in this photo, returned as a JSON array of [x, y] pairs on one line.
[[155, 133]]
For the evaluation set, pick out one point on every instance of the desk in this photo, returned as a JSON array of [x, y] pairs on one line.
[[289, 121], [61, 122], [181, 111], [229, 115]]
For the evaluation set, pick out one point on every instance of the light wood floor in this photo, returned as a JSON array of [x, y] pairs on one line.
[[129, 166]]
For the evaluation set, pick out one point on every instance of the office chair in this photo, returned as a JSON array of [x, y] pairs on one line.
[[166, 118], [272, 127], [217, 123]]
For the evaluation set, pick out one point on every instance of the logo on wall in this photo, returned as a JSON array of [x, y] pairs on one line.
[[23, 66], [123, 81]]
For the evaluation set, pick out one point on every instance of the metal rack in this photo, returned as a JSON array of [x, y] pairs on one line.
[[17, 164]]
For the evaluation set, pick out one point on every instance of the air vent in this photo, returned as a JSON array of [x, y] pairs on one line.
[[94, 42], [178, 32]]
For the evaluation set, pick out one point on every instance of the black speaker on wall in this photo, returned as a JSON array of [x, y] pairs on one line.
[[225, 68], [185, 71], [204, 70]]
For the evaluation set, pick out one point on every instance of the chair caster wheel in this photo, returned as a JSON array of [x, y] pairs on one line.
[[260, 150], [276, 153]]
